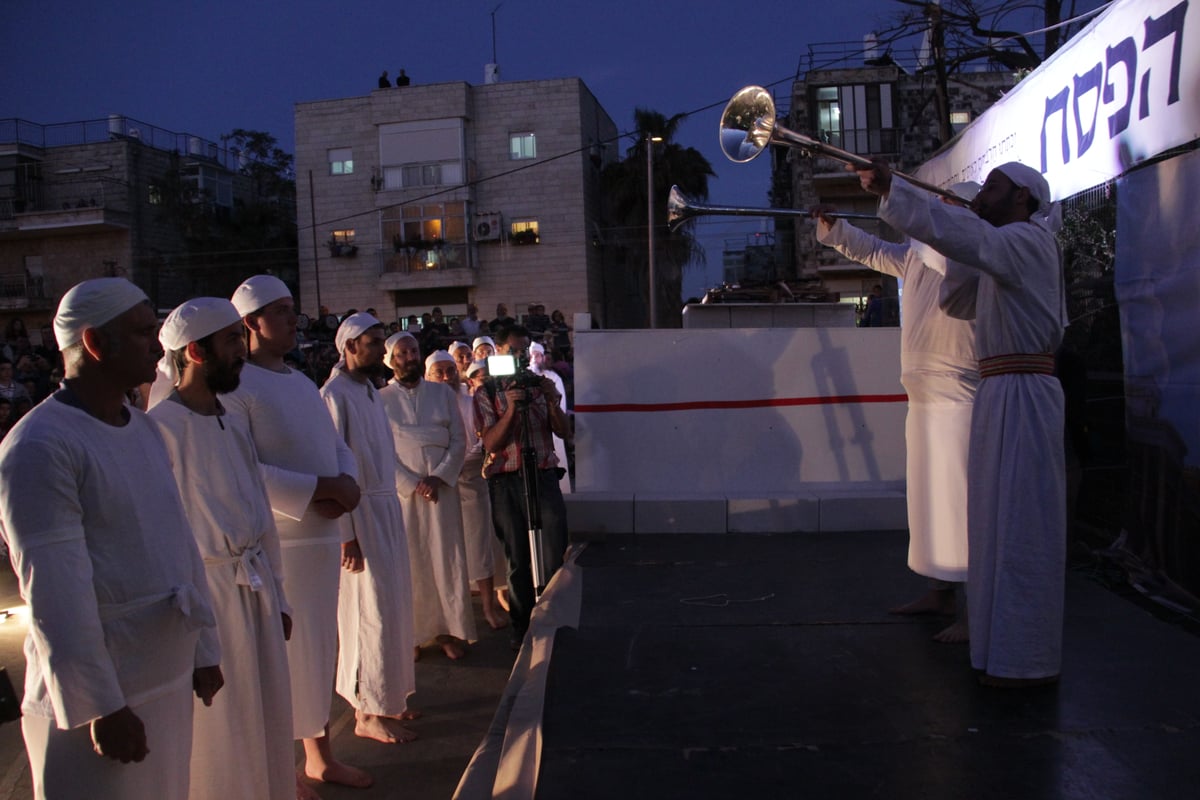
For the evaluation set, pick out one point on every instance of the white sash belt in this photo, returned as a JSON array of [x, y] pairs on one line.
[[185, 598], [249, 566]]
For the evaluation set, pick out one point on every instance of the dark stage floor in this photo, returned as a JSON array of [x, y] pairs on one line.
[[767, 666]]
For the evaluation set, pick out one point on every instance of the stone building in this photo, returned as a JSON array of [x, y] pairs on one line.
[[444, 194], [108, 197]]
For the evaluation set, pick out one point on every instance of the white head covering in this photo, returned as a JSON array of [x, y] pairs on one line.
[[1048, 215], [91, 304], [537, 347], [482, 340], [476, 366], [353, 327], [256, 292], [391, 342], [437, 356], [459, 346], [189, 322]]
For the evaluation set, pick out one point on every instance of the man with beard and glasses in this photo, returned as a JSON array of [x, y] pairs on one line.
[[310, 475], [1016, 471], [375, 621], [242, 747], [106, 561], [430, 440]]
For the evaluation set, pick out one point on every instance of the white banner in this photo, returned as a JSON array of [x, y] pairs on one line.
[[1123, 90]]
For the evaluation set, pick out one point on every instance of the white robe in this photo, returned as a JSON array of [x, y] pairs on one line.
[[560, 446], [242, 744], [478, 533], [375, 622], [940, 375], [120, 611], [430, 440], [1017, 470], [296, 444]]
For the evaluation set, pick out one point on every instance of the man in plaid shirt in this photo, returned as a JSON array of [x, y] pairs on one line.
[[499, 423]]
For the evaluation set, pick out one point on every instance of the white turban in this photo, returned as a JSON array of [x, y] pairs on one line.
[[536, 347], [437, 356], [391, 342], [353, 327], [1048, 215], [476, 366], [190, 322], [257, 292], [459, 346], [91, 304], [482, 340]]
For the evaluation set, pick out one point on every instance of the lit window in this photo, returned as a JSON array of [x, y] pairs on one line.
[[341, 161], [960, 117], [154, 192], [344, 237], [524, 232], [522, 145]]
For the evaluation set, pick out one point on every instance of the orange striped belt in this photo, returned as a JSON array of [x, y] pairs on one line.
[[1037, 363]]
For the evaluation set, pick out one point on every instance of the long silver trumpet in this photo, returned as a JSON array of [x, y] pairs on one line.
[[680, 209], [748, 126]]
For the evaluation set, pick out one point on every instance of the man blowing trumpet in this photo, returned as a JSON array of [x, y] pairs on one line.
[[1016, 481]]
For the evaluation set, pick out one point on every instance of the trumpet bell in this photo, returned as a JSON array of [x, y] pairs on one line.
[[746, 124]]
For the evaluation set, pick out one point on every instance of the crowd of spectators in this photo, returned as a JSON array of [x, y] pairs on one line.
[[315, 355], [29, 372]]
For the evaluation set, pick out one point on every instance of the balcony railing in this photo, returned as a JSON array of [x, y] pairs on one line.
[[866, 141], [19, 290]]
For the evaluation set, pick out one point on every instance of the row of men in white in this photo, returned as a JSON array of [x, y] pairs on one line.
[[146, 566]]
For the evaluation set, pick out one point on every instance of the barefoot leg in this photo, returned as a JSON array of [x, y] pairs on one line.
[[934, 601], [451, 647], [320, 765], [491, 606]]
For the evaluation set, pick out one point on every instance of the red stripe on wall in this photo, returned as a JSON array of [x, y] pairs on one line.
[[774, 402]]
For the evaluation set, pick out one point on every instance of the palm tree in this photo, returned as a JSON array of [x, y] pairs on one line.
[[626, 262]]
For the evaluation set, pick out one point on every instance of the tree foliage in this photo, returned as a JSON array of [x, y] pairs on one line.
[[626, 239]]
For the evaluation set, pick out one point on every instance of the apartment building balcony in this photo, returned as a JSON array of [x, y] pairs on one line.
[[20, 291], [436, 266], [866, 142]]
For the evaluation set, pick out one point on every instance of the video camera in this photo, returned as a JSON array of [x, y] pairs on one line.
[[511, 372]]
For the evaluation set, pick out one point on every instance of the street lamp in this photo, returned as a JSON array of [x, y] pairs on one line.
[[651, 140]]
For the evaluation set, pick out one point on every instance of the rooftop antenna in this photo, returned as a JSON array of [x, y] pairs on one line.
[[491, 72]]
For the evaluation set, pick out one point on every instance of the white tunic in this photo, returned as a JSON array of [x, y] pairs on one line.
[[117, 594], [375, 622], [1017, 470], [560, 446], [478, 533], [296, 444], [940, 375], [430, 440], [242, 744]]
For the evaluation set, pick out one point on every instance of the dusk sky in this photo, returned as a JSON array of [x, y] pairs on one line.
[[206, 68]]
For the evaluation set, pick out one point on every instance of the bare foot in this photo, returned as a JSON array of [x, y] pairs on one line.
[[935, 601], [502, 599], [381, 729], [494, 619], [956, 633], [1016, 683], [453, 650], [410, 714], [339, 773], [304, 791]]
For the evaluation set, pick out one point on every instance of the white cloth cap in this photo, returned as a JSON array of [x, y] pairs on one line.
[[195, 319], [436, 356], [92, 303], [353, 327], [391, 342], [459, 346], [476, 366], [536, 347], [1048, 215], [189, 322], [482, 340], [256, 292]]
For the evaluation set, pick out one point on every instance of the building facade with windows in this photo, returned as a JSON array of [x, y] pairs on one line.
[[881, 111], [110, 197], [444, 194]]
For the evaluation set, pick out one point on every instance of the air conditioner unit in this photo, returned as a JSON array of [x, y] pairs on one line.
[[487, 226]]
